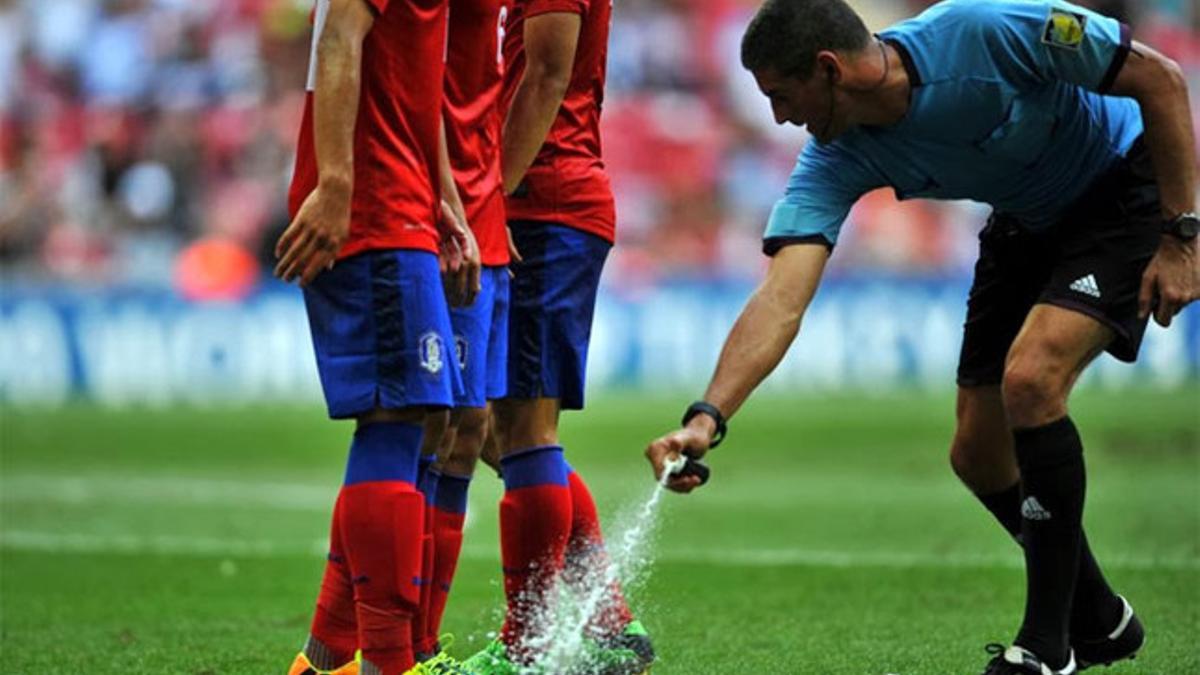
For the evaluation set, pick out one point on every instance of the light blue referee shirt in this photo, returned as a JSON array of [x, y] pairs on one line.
[[1006, 109]]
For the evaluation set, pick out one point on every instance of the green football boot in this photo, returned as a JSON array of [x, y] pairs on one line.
[[441, 663], [492, 660], [630, 653]]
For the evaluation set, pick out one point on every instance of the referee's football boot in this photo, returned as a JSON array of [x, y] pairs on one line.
[[302, 666], [1018, 661], [1122, 643], [628, 653]]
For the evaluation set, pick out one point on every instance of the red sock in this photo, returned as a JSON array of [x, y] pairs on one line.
[[586, 556], [382, 523], [333, 622], [428, 484], [449, 514], [535, 522], [382, 518]]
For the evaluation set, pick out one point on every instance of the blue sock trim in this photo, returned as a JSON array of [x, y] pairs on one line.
[[384, 451], [535, 467], [452, 493], [429, 483], [423, 464]]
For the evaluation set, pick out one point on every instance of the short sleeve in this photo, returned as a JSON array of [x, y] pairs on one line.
[[536, 7], [823, 187], [1033, 43]]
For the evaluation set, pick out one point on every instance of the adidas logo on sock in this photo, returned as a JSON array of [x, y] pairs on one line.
[[1031, 509], [1086, 285]]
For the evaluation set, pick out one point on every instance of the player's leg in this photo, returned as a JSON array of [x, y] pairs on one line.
[[535, 517], [480, 337], [449, 514], [553, 300], [437, 427], [379, 327], [587, 563], [333, 637], [382, 521]]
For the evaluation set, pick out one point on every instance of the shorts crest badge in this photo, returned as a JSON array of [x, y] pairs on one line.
[[1065, 29], [432, 349], [460, 347]]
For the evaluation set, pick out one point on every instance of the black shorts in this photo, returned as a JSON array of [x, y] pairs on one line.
[[1091, 262]]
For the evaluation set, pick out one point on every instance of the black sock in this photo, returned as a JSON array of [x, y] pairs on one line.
[[1053, 483], [1095, 609]]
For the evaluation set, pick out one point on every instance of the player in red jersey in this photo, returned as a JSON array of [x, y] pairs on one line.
[[367, 228], [562, 219], [474, 70]]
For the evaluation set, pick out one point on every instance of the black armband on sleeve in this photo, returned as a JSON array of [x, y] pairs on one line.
[[1118, 62], [773, 245]]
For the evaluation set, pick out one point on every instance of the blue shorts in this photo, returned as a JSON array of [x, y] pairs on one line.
[[481, 341], [380, 327], [550, 320]]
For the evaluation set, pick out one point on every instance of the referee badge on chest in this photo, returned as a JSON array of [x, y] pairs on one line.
[[432, 352], [1064, 29]]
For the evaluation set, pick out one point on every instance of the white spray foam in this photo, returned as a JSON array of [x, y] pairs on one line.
[[563, 620]]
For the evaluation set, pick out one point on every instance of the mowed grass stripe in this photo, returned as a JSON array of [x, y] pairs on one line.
[[69, 543]]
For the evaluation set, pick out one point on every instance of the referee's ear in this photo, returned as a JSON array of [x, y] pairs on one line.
[[829, 63]]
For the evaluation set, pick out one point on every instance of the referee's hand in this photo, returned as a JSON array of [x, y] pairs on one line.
[[692, 440], [1171, 281]]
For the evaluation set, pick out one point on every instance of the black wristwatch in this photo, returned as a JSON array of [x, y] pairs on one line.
[[1184, 228], [706, 408]]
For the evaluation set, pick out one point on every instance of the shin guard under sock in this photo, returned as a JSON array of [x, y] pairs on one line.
[[535, 523], [427, 482], [1096, 608], [382, 521], [449, 514], [1053, 483], [334, 627]]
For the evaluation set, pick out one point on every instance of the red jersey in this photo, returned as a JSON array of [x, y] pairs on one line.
[[474, 71], [567, 183], [395, 202]]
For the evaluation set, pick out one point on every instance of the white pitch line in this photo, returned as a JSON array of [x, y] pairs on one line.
[[132, 544], [143, 489]]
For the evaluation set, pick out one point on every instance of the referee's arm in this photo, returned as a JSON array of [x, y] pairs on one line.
[[757, 342], [1159, 87], [767, 325]]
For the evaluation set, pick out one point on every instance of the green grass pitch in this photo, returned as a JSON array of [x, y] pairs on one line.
[[832, 539]]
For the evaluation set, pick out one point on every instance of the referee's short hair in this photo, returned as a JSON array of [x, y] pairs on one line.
[[785, 35]]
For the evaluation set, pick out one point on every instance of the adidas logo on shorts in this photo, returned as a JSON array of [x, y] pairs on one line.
[[1086, 285], [1031, 509]]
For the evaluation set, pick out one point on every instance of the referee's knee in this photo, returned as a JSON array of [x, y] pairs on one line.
[[1035, 393]]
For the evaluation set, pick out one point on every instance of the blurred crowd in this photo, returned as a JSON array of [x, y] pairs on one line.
[[150, 141]]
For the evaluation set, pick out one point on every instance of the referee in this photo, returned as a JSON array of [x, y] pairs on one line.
[[1080, 140]]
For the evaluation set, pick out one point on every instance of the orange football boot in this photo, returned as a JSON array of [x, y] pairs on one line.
[[302, 666]]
